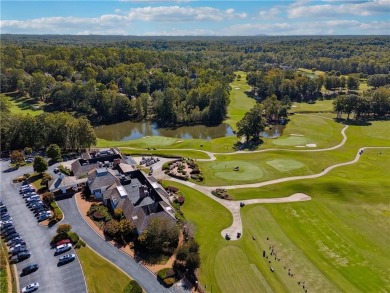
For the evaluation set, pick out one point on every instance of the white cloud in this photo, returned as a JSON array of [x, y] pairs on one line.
[[270, 14], [182, 14], [372, 7], [330, 27]]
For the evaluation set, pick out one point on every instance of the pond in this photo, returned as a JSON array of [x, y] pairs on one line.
[[272, 132], [132, 130]]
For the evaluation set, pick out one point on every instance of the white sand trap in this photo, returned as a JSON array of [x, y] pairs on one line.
[[293, 134], [299, 146], [146, 136], [293, 106], [236, 88], [179, 141], [311, 145]]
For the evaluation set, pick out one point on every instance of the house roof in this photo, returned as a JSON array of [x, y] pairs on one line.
[[98, 178], [63, 182], [126, 168], [81, 170]]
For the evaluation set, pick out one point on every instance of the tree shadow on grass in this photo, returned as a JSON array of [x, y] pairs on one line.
[[250, 145], [359, 122]]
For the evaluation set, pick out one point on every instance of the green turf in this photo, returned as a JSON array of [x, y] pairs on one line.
[[101, 276], [240, 103], [24, 105], [336, 242], [167, 153], [318, 106], [285, 165], [291, 141], [247, 171]]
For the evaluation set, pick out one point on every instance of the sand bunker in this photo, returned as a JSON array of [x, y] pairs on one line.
[[179, 141], [236, 88], [293, 106], [146, 136], [293, 134], [311, 145]]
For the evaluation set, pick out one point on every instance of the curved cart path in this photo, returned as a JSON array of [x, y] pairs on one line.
[[213, 154], [234, 206]]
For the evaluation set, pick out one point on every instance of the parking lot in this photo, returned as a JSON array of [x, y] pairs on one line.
[[51, 278]]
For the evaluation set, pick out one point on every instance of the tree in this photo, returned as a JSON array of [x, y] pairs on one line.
[[111, 228], [63, 228], [5, 104], [126, 228], [162, 235], [271, 108], [40, 164], [352, 83], [17, 157], [54, 152], [48, 198], [252, 124]]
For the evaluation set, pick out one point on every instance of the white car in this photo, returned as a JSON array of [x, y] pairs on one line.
[[66, 258], [30, 288], [62, 248]]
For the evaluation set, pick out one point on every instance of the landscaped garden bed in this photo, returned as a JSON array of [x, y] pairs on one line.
[[221, 193], [184, 169]]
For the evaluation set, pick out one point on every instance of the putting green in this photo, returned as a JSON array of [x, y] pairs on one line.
[[247, 171], [292, 140], [231, 263], [285, 165]]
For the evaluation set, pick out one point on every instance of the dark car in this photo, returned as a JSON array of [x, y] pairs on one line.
[[9, 232], [5, 232], [23, 255], [6, 226], [43, 217], [5, 217], [11, 236], [15, 241], [29, 269], [10, 169], [19, 249]]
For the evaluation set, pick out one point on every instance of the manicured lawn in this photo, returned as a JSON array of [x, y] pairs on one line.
[[101, 275], [3, 268], [24, 105], [336, 242], [318, 106], [240, 103]]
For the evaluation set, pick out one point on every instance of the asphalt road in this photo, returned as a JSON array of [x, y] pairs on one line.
[[67, 278], [145, 278]]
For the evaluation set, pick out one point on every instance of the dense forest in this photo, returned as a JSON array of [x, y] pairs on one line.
[[178, 81]]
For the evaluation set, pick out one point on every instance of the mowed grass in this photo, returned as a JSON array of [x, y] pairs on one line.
[[318, 106], [337, 242], [23, 105], [240, 103], [101, 276]]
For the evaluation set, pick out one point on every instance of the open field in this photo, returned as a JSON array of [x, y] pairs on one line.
[[318, 106], [335, 242], [240, 103], [23, 105], [101, 276]]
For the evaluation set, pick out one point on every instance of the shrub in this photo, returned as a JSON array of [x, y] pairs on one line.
[[73, 237], [180, 200], [48, 197], [169, 281], [97, 216], [59, 237], [132, 287], [93, 208], [162, 274], [165, 166], [58, 214], [111, 228], [118, 214], [64, 228]]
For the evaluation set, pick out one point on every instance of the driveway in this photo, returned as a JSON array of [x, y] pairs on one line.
[[67, 278], [138, 272]]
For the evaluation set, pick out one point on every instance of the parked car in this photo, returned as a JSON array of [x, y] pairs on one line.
[[10, 231], [3, 223], [28, 194], [66, 258], [56, 170], [11, 236], [20, 256], [63, 248], [32, 198], [43, 217], [29, 269], [19, 249], [62, 242], [30, 288], [6, 226], [30, 203], [3, 209], [16, 240], [13, 247], [5, 216]]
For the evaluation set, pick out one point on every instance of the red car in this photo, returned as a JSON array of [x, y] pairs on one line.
[[65, 241]]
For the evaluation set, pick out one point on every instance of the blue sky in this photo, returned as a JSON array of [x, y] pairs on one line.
[[186, 17]]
